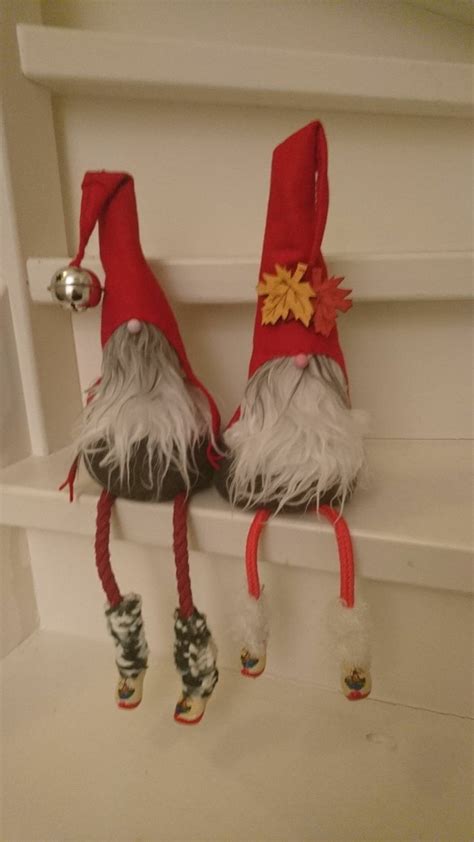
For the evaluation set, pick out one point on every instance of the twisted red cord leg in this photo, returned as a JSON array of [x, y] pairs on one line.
[[346, 554], [129, 638], [181, 556], [102, 552]]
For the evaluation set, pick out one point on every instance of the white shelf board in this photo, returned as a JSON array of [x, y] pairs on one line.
[[372, 277], [413, 525], [115, 64]]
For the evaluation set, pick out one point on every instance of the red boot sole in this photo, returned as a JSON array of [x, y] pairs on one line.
[[251, 674], [178, 719]]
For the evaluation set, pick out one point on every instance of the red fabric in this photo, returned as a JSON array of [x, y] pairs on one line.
[[296, 219], [131, 289]]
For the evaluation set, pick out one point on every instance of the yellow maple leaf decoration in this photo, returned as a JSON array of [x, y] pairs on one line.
[[286, 295]]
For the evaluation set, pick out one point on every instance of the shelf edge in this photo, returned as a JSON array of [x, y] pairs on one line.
[[86, 61], [373, 277]]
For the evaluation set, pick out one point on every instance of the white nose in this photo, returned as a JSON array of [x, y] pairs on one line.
[[301, 360], [134, 326]]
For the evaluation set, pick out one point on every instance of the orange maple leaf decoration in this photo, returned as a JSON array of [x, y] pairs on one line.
[[329, 299], [287, 296]]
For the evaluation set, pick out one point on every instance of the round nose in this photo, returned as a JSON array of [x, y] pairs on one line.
[[301, 360], [134, 326]]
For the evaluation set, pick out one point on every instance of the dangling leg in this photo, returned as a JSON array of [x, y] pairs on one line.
[[123, 615], [349, 624], [194, 650], [253, 656]]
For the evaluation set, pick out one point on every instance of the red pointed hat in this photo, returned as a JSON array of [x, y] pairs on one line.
[[131, 290], [298, 302]]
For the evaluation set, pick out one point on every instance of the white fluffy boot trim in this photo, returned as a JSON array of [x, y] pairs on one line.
[[350, 630], [125, 624], [252, 625], [350, 633]]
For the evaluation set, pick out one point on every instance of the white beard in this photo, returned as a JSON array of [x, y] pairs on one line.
[[143, 394], [296, 435]]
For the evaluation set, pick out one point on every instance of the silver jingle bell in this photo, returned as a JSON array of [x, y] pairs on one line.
[[75, 288]]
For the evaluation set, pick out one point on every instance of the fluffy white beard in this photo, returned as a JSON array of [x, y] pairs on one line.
[[296, 433], [143, 395]]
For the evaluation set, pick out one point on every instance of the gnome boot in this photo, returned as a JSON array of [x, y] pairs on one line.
[[125, 624], [129, 691], [253, 663], [356, 682]]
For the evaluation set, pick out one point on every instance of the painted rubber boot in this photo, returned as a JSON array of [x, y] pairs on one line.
[[356, 682], [252, 664]]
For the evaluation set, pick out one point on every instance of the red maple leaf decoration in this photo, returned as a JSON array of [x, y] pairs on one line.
[[329, 299]]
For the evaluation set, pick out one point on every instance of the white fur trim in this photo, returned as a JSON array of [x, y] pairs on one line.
[[143, 394], [296, 434], [195, 654], [204, 667], [350, 629], [252, 626], [125, 624]]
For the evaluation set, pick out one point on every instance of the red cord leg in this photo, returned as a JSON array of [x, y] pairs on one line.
[[71, 478], [346, 555], [102, 552], [251, 552], [181, 557]]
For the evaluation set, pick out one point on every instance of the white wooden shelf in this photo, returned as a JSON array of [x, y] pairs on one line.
[[411, 526], [373, 277], [113, 64]]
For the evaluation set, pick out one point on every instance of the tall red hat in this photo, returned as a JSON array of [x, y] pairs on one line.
[[298, 302], [131, 290]]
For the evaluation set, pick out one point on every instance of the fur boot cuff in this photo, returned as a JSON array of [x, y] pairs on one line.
[[125, 624], [195, 654]]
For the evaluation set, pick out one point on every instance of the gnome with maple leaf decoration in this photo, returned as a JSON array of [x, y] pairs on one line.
[[147, 432], [295, 444]]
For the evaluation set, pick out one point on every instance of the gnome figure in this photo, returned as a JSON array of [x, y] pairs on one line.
[[147, 431], [295, 444]]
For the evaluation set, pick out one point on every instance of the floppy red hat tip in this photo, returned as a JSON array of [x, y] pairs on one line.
[[298, 303]]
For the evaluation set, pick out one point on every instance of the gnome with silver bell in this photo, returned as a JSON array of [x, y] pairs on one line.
[[147, 431], [294, 443]]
